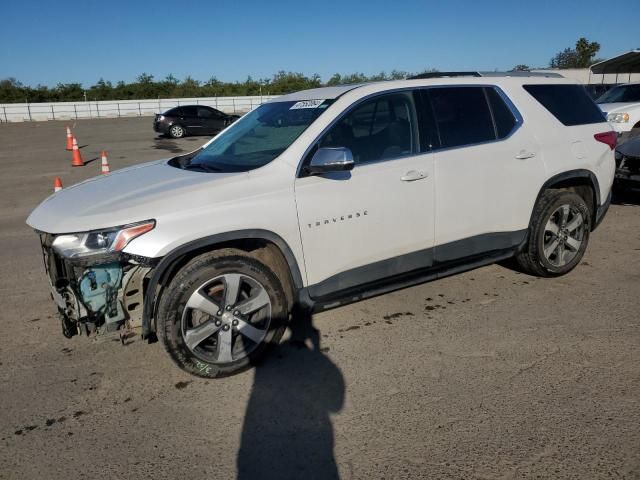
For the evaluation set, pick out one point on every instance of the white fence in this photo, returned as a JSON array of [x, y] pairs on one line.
[[25, 112]]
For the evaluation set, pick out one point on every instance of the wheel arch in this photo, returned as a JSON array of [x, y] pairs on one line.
[[580, 181], [265, 245]]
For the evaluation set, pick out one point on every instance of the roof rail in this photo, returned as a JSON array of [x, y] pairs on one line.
[[444, 74], [515, 73]]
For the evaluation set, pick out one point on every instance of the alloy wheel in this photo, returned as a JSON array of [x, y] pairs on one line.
[[226, 318], [563, 235]]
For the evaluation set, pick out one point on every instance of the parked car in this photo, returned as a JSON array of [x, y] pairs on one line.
[[325, 197], [596, 90], [621, 106], [628, 164], [192, 120]]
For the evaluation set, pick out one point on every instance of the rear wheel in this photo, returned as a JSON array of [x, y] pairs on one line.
[[220, 314], [177, 131], [558, 235]]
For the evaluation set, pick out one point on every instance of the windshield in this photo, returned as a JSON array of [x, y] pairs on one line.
[[623, 93], [258, 137]]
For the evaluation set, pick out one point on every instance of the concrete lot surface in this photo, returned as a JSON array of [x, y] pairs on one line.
[[490, 374]]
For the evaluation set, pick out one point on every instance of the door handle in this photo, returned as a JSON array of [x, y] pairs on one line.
[[413, 175], [523, 155]]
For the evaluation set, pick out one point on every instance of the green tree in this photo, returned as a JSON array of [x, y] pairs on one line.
[[68, 92], [582, 56], [521, 68], [11, 90], [586, 52]]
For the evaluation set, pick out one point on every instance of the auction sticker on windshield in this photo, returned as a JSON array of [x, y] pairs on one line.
[[307, 104]]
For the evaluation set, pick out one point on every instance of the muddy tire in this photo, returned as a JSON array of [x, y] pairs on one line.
[[558, 235], [221, 314]]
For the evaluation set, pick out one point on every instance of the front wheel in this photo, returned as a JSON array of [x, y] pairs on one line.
[[558, 235], [220, 314]]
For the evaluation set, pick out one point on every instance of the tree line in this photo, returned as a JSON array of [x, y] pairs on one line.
[[147, 87]]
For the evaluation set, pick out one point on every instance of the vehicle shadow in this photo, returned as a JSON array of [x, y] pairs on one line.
[[167, 144], [287, 432]]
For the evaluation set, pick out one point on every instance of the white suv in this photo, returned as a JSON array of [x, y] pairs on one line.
[[325, 197], [621, 106]]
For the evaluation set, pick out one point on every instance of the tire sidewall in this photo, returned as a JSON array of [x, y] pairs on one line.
[[189, 279], [563, 198]]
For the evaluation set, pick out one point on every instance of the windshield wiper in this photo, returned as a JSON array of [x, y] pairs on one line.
[[202, 167]]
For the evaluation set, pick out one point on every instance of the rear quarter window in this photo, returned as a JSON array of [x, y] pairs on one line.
[[502, 115], [570, 104]]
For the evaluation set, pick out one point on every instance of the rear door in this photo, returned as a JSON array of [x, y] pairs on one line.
[[212, 120], [487, 171], [191, 121]]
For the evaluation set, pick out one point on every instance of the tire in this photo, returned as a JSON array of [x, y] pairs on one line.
[[558, 235], [177, 131], [208, 333]]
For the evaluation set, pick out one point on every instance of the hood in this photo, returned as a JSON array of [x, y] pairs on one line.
[[630, 148], [143, 192], [619, 106]]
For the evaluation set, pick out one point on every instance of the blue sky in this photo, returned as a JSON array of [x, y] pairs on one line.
[[80, 41]]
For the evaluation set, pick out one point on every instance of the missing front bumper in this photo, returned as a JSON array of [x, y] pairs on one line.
[[96, 298]]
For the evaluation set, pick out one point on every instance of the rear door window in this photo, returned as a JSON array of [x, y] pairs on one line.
[[189, 111], [205, 113], [570, 104], [462, 115]]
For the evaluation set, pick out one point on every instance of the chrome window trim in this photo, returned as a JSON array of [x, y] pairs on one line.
[[519, 121]]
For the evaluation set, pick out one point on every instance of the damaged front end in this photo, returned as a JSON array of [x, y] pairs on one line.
[[97, 288]]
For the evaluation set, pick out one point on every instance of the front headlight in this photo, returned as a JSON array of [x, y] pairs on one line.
[[618, 117], [99, 242]]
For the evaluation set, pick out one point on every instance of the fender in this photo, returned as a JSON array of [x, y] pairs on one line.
[[570, 175], [165, 266]]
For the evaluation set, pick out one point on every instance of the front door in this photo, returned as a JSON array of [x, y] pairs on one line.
[[377, 220], [212, 120]]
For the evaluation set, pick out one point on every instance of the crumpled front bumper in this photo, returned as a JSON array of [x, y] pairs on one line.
[[95, 297]]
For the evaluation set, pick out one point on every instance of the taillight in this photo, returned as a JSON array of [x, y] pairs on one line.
[[610, 138]]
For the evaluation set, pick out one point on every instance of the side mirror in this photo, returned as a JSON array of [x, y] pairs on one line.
[[331, 159]]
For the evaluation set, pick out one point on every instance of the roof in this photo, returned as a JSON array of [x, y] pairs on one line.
[[327, 93], [626, 63]]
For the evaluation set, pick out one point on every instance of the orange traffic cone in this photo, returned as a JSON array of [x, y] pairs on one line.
[[76, 158], [69, 139], [105, 162], [57, 184]]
